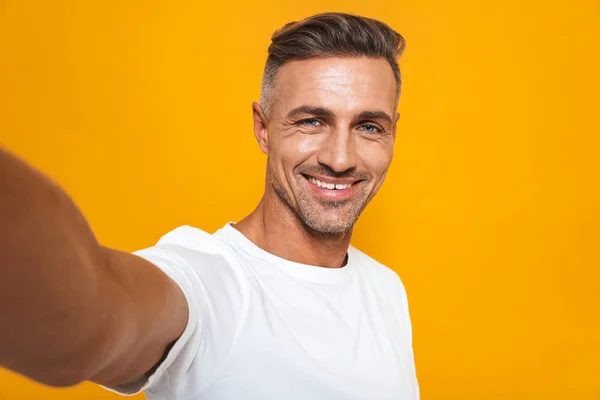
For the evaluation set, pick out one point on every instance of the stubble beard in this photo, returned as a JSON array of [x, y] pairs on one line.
[[311, 211]]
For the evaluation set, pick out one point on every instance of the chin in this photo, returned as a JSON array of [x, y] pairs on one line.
[[329, 217], [329, 226]]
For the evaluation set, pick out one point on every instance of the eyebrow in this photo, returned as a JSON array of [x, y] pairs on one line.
[[375, 115], [323, 112], [319, 111]]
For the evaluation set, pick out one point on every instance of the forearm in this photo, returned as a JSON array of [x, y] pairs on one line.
[[48, 259]]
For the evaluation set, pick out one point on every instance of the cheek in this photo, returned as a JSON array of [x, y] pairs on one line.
[[377, 158], [296, 149]]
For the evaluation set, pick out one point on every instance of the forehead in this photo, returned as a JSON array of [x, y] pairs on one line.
[[339, 84]]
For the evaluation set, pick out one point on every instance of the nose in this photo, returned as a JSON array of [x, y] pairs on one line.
[[338, 151]]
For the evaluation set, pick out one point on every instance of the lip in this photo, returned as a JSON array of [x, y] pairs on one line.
[[332, 194]]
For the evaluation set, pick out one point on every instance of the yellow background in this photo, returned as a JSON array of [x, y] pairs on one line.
[[491, 215]]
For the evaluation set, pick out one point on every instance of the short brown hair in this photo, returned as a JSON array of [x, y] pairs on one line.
[[330, 35]]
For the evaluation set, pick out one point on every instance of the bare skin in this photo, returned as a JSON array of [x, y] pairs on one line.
[[72, 310], [333, 119]]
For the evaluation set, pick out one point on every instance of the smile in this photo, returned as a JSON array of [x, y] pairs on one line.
[[330, 186], [333, 189]]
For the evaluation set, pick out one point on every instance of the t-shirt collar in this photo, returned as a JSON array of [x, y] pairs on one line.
[[235, 238]]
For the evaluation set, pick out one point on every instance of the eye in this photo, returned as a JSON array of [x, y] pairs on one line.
[[309, 122], [369, 128]]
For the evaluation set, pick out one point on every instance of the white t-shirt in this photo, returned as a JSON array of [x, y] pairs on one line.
[[262, 327]]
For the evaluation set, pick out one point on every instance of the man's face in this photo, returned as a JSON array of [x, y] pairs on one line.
[[330, 137]]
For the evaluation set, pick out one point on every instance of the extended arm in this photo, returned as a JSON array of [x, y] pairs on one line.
[[70, 309]]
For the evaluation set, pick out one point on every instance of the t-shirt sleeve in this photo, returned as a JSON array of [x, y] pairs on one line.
[[182, 352]]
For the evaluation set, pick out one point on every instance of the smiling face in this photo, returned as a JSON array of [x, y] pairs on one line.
[[329, 138]]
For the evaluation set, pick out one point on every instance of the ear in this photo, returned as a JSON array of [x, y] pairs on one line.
[[395, 126], [260, 128]]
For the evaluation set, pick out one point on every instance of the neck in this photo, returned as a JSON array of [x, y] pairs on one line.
[[275, 228]]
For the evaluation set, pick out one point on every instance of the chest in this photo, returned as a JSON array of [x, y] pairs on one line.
[[301, 341]]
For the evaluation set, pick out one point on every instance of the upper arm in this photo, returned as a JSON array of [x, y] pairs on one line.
[[141, 311]]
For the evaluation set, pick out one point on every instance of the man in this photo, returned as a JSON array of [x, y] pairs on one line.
[[276, 306]]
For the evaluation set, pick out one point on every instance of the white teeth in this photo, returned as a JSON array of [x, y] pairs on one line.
[[340, 186], [330, 186]]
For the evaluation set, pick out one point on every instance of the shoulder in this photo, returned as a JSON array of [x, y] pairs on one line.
[[386, 283], [211, 278], [191, 238], [187, 243], [191, 254], [384, 275], [216, 292]]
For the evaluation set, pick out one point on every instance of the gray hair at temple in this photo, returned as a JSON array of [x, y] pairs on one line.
[[330, 35]]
